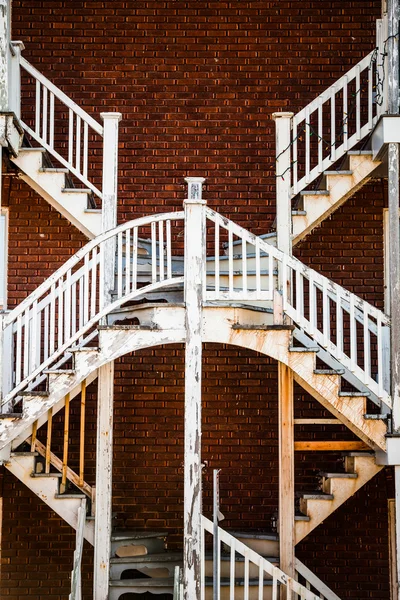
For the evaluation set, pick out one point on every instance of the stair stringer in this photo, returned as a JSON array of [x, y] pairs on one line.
[[46, 488], [340, 187], [72, 204], [342, 489]]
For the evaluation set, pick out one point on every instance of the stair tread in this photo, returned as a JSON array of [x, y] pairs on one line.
[[339, 475], [264, 309], [33, 150], [53, 170], [46, 474], [382, 416], [303, 349], [148, 558], [299, 213], [145, 582], [317, 495], [121, 536], [39, 394], [315, 193], [339, 172], [95, 211], [77, 496], [11, 415], [302, 518], [59, 371], [329, 371], [359, 152], [76, 190], [16, 454], [254, 535], [263, 327], [354, 394]]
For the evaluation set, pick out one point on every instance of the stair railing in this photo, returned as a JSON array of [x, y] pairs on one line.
[[337, 120], [258, 571], [57, 118], [65, 309], [349, 328]]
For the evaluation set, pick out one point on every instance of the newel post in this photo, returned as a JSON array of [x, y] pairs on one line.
[[195, 253], [15, 78], [105, 396], [283, 125], [5, 39]]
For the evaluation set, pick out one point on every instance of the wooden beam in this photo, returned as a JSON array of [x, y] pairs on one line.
[[331, 446], [286, 469], [104, 450], [194, 288]]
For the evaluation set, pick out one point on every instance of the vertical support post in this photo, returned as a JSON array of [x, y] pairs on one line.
[[109, 197], [15, 78], [283, 123], [286, 469], [5, 39], [397, 530], [195, 234], [104, 450], [105, 395], [216, 553], [393, 202]]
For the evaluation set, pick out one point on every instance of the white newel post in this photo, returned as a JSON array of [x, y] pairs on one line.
[[283, 125], [195, 252], [5, 38], [104, 448], [15, 77]]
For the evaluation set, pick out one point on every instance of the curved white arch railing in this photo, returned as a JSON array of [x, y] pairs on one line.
[[64, 309]]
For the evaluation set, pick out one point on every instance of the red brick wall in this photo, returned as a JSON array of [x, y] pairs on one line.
[[197, 83]]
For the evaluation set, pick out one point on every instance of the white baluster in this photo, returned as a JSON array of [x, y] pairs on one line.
[[367, 345], [153, 252], [358, 104], [119, 265], [127, 261], [44, 115], [217, 259], [161, 249], [230, 255], [93, 293], [353, 335], [333, 125], [169, 250], [244, 267], [135, 256]]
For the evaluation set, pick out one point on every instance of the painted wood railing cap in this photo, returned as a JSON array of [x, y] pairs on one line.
[[282, 115], [195, 190]]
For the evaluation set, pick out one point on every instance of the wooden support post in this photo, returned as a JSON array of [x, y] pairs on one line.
[[63, 485], [393, 202], [283, 123], [194, 290], [396, 558], [109, 198], [82, 435], [5, 39], [104, 450], [286, 469]]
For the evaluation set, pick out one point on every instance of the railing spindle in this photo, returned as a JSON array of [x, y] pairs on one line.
[[78, 144], [34, 436], [71, 136], [161, 249], [326, 314], [119, 264], [258, 266], [345, 122], [135, 256], [353, 335], [339, 324], [370, 97], [46, 332], [295, 157], [230, 261], [244, 266], [65, 446], [82, 434], [169, 248], [93, 293], [60, 320], [18, 373], [153, 252], [320, 139], [246, 578], [44, 115], [37, 109], [67, 319], [48, 440], [127, 261], [232, 572], [367, 345], [333, 125], [307, 134], [358, 104], [51, 121], [86, 290], [85, 148], [217, 259]]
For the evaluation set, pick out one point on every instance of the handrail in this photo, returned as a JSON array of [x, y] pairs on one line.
[[62, 311], [80, 125], [279, 578], [337, 120]]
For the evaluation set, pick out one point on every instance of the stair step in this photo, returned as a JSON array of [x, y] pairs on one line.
[[301, 349], [76, 191], [360, 152], [263, 327], [128, 327], [17, 454], [148, 558], [329, 371], [301, 517], [383, 417], [39, 394], [344, 172], [314, 496], [94, 211], [59, 371], [53, 170], [61, 496], [339, 475], [315, 193], [122, 536], [354, 394], [299, 213], [32, 150], [148, 582], [46, 474], [11, 415]]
